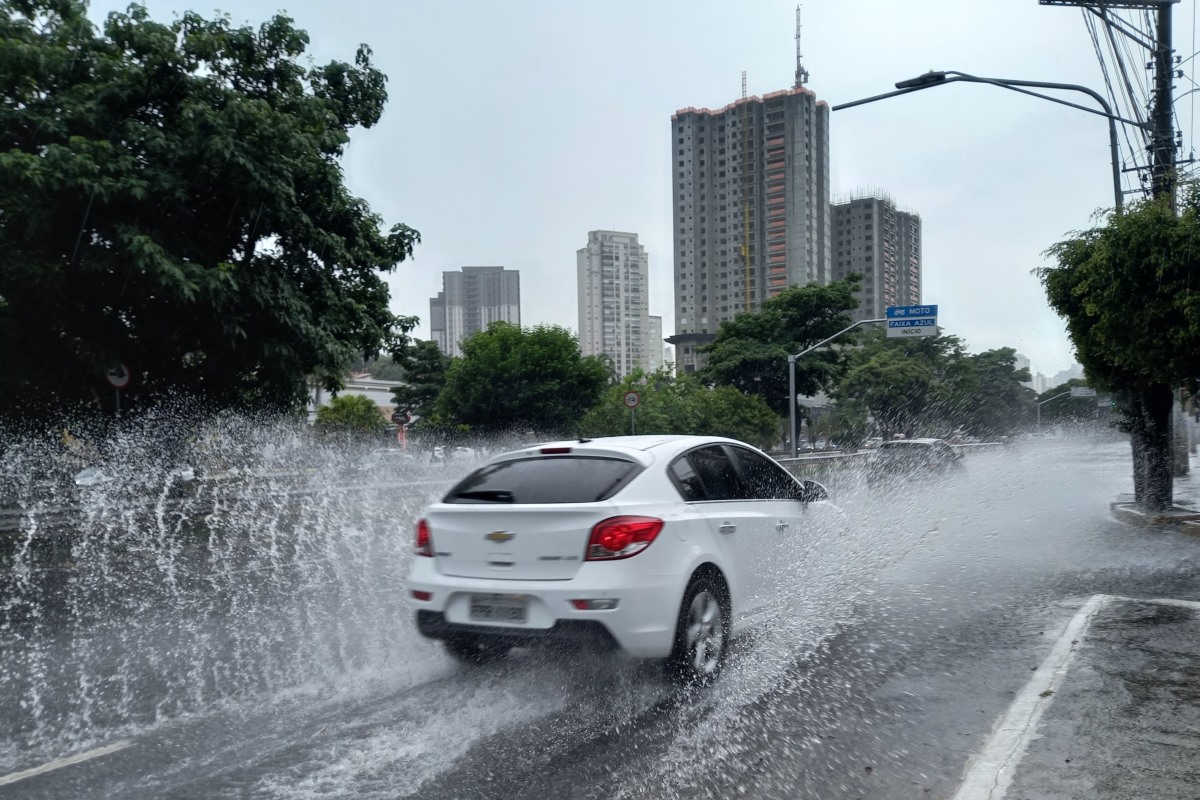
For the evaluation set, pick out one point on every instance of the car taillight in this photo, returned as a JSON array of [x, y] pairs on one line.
[[424, 540], [621, 537]]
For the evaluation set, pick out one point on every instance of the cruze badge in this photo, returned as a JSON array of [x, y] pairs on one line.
[[499, 536]]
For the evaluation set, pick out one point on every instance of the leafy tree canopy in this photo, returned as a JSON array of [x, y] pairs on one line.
[[683, 405], [750, 351], [171, 198], [350, 414], [511, 377], [904, 383], [424, 367], [1130, 293], [991, 401]]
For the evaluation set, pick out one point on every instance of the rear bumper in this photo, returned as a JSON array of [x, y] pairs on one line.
[[433, 625], [642, 624]]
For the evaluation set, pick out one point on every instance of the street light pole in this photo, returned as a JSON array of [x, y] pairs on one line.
[[942, 77], [792, 375]]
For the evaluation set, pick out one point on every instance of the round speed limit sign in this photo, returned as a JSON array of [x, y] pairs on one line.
[[632, 399]]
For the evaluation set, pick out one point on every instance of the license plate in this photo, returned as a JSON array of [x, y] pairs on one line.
[[499, 608]]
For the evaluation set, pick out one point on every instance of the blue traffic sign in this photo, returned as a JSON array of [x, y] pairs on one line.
[[912, 321], [894, 312]]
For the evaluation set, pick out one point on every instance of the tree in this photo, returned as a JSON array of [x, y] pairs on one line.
[[1127, 290], [171, 197], [520, 378], [991, 401], [906, 384], [351, 414], [751, 351], [424, 367], [673, 404]]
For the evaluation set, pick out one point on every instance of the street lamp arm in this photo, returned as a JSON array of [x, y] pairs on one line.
[[1048, 399], [792, 374], [941, 78], [808, 350], [1014, 85]]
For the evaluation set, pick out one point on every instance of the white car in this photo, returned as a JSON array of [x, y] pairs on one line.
[[664, 546]]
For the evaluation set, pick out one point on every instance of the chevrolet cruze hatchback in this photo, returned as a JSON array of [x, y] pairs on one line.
[[663, 546]]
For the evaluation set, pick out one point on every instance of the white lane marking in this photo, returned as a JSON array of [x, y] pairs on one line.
[[991, 771], [1166, 601], [59, 763]]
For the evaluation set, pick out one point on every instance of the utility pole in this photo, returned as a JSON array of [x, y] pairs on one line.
[[1162, 163]]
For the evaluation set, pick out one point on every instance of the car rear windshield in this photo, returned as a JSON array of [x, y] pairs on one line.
[[911, 451], [554, 479]]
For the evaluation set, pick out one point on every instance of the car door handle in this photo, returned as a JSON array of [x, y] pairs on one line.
[[727, 527], [782, 526]]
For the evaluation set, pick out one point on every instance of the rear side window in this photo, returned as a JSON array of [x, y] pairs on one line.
[[558, 479], [686, 480]]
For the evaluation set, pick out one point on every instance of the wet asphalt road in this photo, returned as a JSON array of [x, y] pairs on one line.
[[900, 647]]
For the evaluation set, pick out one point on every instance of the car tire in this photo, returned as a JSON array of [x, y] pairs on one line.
[[475, 652], [701, 633]]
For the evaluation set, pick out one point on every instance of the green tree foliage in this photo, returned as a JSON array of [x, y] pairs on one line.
[[1128, 291], [171, 197], [750, 351], [520, 378], [351, 414], [843, 425], [904, 383], [990, 400], [932, 385], [683, 405], [424, 368]]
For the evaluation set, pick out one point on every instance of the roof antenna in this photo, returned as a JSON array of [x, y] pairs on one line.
[[801, 72]]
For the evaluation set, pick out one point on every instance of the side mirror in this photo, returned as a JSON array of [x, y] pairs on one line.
[[810, 490]]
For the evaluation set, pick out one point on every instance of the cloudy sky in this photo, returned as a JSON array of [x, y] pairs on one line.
[[516, 127]]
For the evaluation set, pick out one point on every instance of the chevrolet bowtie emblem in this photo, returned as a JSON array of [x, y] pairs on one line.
[[499, 536]]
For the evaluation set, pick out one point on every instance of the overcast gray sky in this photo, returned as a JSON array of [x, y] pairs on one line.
[[513, 128]]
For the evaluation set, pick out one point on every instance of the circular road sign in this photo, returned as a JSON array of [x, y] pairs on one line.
[[118, 376], [631, 399]]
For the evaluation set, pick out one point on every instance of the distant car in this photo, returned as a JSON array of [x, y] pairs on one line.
[[386, 458], [911, 458], [663, 546]]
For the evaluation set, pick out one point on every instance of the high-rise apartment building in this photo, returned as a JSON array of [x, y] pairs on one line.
[[614, 301], [654, 349], [470, 300], [750, 184], [883, 245]]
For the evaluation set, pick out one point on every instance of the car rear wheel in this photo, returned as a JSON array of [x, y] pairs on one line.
[[701, 633], [471, 650]]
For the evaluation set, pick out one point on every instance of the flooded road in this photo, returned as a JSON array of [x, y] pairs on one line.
[[899, 643]]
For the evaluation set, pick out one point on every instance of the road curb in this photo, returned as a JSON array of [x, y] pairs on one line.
[[1177, 517]]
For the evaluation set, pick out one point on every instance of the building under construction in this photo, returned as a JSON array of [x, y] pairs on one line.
[[750, 187]]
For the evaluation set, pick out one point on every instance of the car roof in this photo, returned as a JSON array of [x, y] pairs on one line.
[[643, 449], [903, 442]]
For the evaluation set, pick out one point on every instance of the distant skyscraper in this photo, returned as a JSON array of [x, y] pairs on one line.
[[1021, 363], [750, 188], [883, 245], [614, 299], [654, 346], [471, 300]]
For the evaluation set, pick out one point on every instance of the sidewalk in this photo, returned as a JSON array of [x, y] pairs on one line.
[[1185, 514], [1125, 722], [1113, 713]]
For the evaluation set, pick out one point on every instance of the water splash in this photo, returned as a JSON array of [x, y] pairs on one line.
[[190, 566]]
